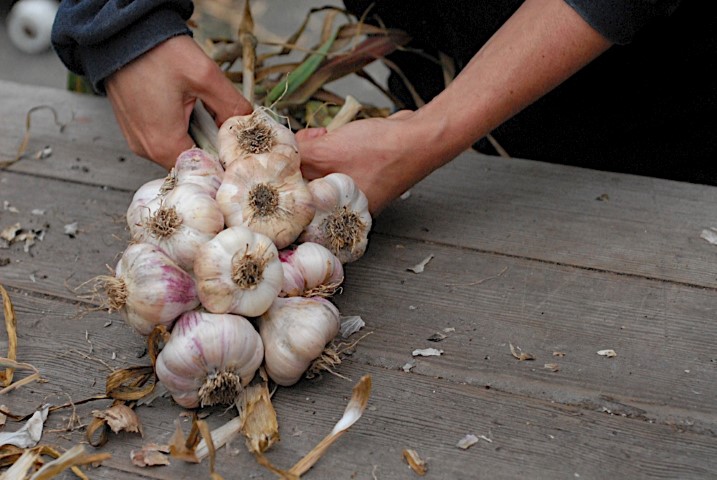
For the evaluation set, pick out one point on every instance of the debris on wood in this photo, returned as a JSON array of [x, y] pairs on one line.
[[437, 337], [351, 325], [258, 418], [449, 329], [37, 211], [26, 138], [519, 354], [30, 434], [120, 417], [607, 353], [420, 267], [43, 153], [184, 448], [553, 367], [604, 197], [150, 455], [710, 235], [72, 458], [558, 354], [427, 352], [417, 464], [467, 441], [71, 229], [9, 208], [408, 366], [3, 417]]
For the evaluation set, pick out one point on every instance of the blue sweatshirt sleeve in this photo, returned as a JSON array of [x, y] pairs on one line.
[[95, 38], [620, 20]]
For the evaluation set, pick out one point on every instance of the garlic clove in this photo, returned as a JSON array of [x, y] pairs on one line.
[[179, 222], [209, 358], [199, 167], [256, 133], [238, 271], [310, 269], [295, 331], [267, 194], [150, 289], [342, 220]]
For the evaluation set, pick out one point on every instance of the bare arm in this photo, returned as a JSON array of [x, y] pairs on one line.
[[539, 47]]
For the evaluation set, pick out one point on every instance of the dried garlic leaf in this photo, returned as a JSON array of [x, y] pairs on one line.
[[520, 355], [258, 417], [30, 433], [75, 456], [120, 417], [467, 441], [607, 353], [416, 463], [150, 455], [427, 352], [185, 449], [419, 268]]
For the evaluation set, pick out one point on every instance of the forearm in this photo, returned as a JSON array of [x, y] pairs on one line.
[[539, 47]]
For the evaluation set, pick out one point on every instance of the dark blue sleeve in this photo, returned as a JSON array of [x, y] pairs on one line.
[[620, 20], [95, 38]]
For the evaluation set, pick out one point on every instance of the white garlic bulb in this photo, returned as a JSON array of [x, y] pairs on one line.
[[149, 289], [144, 194], [254, 134], [199, 167], [178, 222], [238, 271], [209, 358], [342, 221], [310, 269], [267, 194], [295, 331]]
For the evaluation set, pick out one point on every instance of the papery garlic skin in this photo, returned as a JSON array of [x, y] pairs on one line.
[[256, 133], [179, 222], [267, 194], [150, 289], [238, 271], [199, 167], [295, 331], [209, 358], [310, 269], [342, 220]]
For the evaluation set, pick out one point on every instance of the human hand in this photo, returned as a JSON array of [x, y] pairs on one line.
[[153, 97], [384, 156]]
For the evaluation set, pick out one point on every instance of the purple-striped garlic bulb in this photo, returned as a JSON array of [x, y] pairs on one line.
[[295, 331], [199, 167], [178, 222], [209, 358], [149, 289], [238, 271], [310, 269], [342, 221]]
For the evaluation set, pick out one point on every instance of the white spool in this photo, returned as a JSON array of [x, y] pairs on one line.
[[29, 24]]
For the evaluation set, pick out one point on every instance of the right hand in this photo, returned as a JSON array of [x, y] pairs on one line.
[[153, 97]]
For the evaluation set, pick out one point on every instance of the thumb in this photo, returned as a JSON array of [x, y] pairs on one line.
[[306, 134]]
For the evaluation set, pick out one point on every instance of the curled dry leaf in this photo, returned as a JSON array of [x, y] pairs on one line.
[[420, 267], [467, 441], [519, 354], [416, 463], [609, 353], [150, 455], [120, 417]]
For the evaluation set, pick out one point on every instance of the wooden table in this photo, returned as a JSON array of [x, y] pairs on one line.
[[544, 257]]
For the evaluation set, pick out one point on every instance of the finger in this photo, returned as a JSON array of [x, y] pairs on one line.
[[222, 99], [310, 133]]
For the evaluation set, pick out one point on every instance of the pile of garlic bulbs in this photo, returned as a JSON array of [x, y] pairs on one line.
[[236, 256]]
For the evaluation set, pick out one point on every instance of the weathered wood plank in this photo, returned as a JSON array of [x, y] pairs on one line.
[[659, 329], [647, 227], [407, 410], [89, 149]]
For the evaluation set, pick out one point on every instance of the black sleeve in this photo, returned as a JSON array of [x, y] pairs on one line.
[[95, 38]]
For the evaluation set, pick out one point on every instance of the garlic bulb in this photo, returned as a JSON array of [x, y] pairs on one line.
[[144, 194], [342, 221], [209, 358], [149, 289], [268, 195], [310, 269], [295, 331], [178, 222], [254, 134], [238, 271], [199, 167]]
